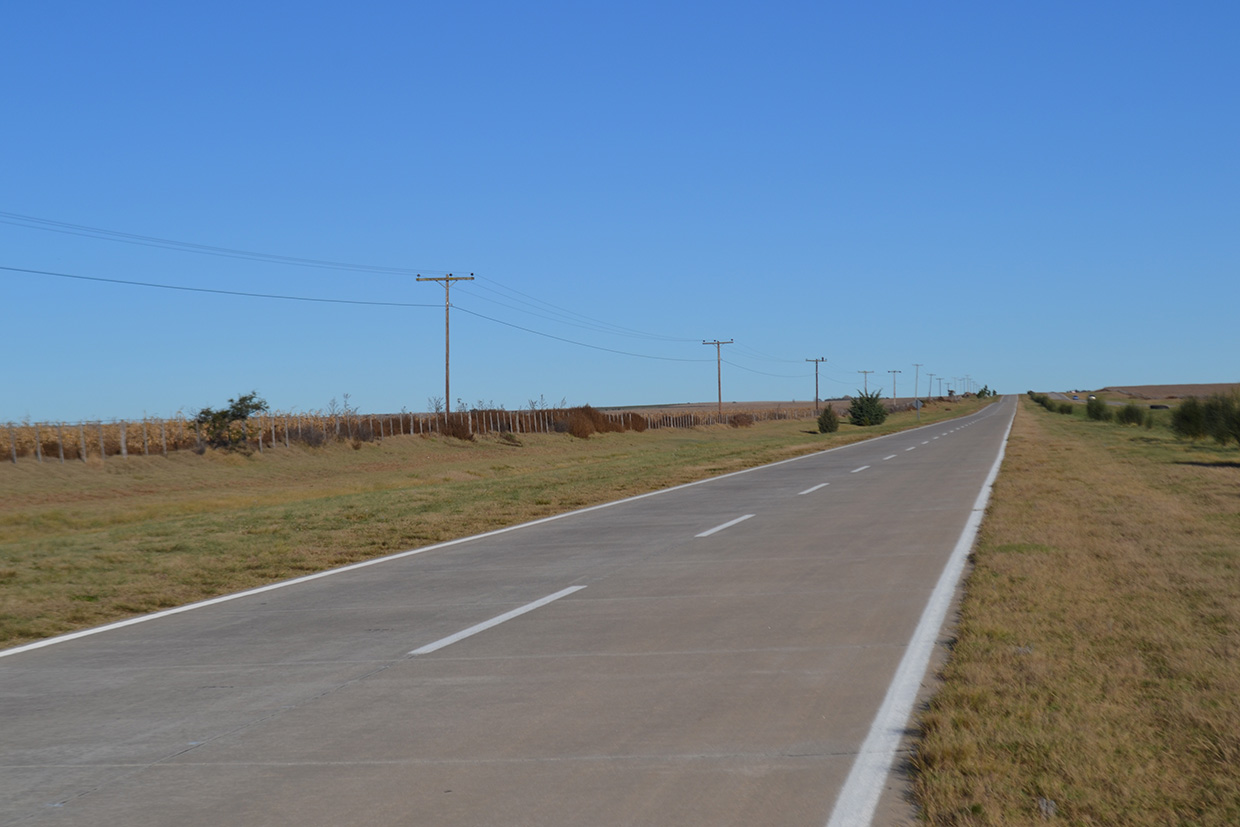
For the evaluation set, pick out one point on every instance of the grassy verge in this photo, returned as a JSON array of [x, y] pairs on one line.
[[83, 544], [1094, 677]]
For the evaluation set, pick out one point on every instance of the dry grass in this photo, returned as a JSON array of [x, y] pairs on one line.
[[85, 543], [1094, 678]]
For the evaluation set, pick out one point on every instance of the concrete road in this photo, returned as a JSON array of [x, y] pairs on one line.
[[710, 654]]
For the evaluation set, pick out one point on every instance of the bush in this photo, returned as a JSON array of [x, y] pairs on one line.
[[456, 426], [867, 409], [1097, 410], [1066, 408], [828, 421], [740, 420], [1130, 414], [1188, 419], [1221, 415], [218, 426]]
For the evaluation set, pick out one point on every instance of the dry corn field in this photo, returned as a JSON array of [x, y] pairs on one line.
[[93, 441]]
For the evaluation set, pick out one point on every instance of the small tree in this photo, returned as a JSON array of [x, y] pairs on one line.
[[867, 409], [828, 421], [218, 425]]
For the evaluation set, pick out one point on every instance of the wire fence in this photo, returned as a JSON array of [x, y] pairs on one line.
[[102, 441]]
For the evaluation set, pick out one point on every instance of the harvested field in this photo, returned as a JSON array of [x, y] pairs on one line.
[[1170, 391]]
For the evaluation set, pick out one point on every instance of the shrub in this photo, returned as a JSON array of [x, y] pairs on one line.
[[740, 420], [456, 427], [1097, 410], [1066, 408], [1188, 419], [1130, 414], [867, 409], [586, 420], [828, 421], [219, 425], [1221, 415]]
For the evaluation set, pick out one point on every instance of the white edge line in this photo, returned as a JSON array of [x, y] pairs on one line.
[[202, 604], [859, 796], [728, 524], [495, 621], [812, 490]]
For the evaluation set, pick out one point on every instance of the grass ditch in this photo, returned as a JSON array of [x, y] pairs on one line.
[[82, 544], [1093, 678]]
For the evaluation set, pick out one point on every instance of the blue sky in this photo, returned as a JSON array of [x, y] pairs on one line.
[[1038, 196]]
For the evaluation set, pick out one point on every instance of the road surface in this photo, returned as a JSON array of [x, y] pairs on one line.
[[711, 654]]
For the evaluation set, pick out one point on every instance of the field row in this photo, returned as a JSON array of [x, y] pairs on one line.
[[84, 441]]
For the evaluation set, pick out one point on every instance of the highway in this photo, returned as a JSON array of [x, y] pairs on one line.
[[715, 653]]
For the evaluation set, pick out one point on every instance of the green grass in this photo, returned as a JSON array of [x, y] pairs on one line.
[[82, 544], [1095, 659]]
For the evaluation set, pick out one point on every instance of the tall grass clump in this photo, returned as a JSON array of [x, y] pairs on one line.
[[867, 409]]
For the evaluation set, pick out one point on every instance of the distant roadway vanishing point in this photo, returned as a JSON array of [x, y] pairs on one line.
[[743, 650]]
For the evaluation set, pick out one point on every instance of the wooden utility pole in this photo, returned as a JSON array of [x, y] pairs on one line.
[[447, 304], [718, 369], [816, 361], [893, 382], [866, 379], [916, 386]]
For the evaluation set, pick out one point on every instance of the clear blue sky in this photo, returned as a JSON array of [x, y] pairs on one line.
[[1038, 195]]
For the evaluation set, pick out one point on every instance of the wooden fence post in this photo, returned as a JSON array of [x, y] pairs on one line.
[[124, 444], [103, 453], [82, 440], [38, 443], [145, 443], [60, 441], [13, 444], [163, 436]]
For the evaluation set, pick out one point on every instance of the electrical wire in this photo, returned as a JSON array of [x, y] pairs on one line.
[[571, 316], [33, 223], [134, 283], [572, 342], [214, 290], [764, 373]]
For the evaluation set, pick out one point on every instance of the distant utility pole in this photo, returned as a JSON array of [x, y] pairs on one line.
[[893, 381], [916, 387], [447, 304], [816, 361], [930, 390], [718, 369], [866, 379], [940, 386]]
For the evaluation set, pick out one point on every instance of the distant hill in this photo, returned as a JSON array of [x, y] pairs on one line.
[[1171, 391]]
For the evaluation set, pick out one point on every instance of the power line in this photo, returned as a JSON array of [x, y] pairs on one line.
[[243, 294], [213, 290], [33, 223], [568, 315], [573, 341], [765, 373]]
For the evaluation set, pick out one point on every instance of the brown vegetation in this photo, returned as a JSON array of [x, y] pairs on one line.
[[1093, 678]]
